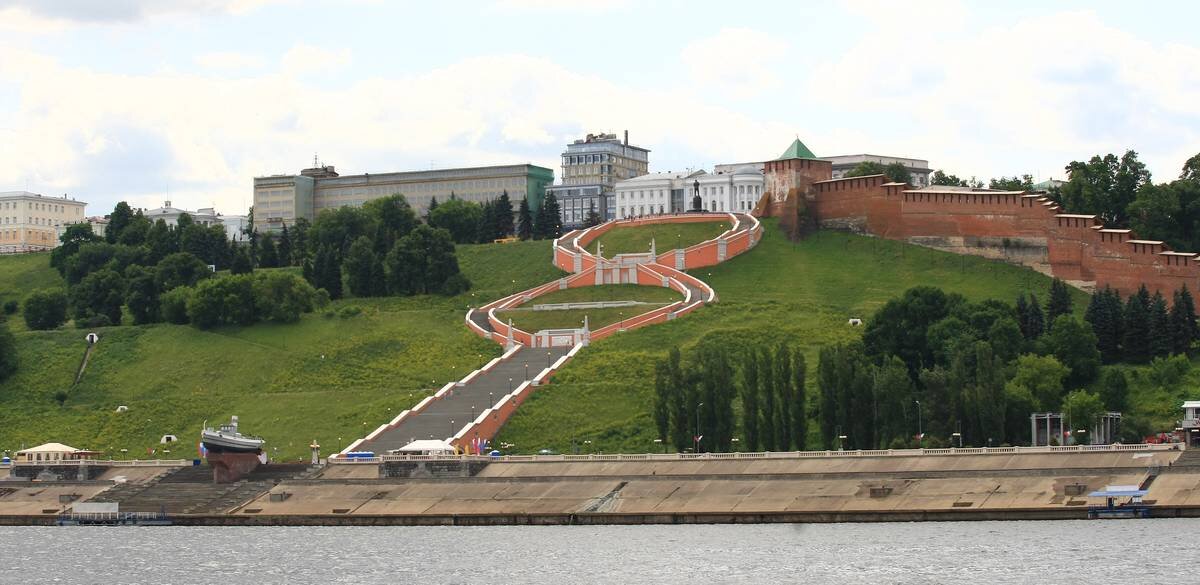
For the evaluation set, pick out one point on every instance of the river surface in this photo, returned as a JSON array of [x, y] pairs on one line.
[[1097, 551]]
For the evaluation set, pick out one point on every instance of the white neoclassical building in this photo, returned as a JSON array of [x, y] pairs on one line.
[[731, 188]]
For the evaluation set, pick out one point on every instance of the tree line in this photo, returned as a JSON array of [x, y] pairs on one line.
[[469, 222], [694, 400]]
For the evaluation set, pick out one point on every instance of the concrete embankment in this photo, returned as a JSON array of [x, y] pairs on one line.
[[1014, 486]]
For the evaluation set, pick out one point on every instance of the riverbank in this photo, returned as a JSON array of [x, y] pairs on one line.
[[775, 488]]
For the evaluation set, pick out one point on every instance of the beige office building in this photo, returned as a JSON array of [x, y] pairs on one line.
[[30, 222], [281, 199]]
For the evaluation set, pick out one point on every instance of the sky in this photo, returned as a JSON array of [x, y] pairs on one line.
[[188, 100]]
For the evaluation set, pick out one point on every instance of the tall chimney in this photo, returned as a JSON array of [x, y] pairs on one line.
[[626, 138]]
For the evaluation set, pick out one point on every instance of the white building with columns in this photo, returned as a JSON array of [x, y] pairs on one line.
[[730, 188]]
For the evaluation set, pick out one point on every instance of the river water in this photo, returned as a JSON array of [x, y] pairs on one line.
[[1108, 551]]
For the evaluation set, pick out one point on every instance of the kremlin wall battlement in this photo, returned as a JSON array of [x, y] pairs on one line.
[[1015, 226]]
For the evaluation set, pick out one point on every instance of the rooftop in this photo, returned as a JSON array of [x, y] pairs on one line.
[[797, 150]]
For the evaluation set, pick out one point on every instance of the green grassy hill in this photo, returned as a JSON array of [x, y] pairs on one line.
[[21, 274], [527, 319], [322, 378], [805, 292], [625, 240]]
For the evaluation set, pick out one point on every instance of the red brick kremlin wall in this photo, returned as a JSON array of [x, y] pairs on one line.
[[1072, 247]]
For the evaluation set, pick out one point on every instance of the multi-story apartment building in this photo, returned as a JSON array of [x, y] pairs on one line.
[[30, 222], [591, 168], [280, 199]]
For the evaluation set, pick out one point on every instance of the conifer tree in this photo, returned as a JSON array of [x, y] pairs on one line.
[[592, 218], [1036, 321], [1160, 327], [750, 402], [1136, 336], [504, 216], [268, 255], [766, 389], [799, 401], [662, 401], [679, 398], [285, 247], [549, 219], [784, 394], [1059, 302], [1104, 313], [487, 224], [1183, 321], [433, 204], [1023, 316], [524, 221]]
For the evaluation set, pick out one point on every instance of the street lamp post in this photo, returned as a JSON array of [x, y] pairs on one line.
[[697, 437], [547, 359], [920, 434]]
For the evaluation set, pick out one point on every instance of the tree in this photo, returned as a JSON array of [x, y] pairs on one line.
[[485, 230], [1074, 344], [1183, 321], [749, 392], [422, 262], [1042, 377], [766, 388], [282, 296], [866, 169], [142, 295], [300, 251], [549, 219], [360, 269], [161, 242], [74, 236], [1191, 169], [899, 327], [173, 305], [1014, 183], [1106, 316], [337, 228], [1006, 339], [941, 178], [120, 217], [8, 352], [180, 269], [1082, 409], [327, 272], [524, 221], [241, 262], [592, 218], [716, 393], [89, 258], [898, 173], [1105, 186], [1035, 320], [799, 400], [784, 395], [1114, 389], [99, 294], [1059, 302], [1136, 332], [504, 215], [1160, 327], [433, 204], [662, 401], [285, 247], [228, 300], [135, 233], [268, 253], [894, 394], [460, 218], [45, 309], [394, 218], [682, 395]]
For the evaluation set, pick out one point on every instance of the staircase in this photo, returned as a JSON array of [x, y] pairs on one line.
[[1187, 462], [191, 490]]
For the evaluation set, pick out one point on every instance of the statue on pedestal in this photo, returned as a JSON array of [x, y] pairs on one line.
[[697, 204]]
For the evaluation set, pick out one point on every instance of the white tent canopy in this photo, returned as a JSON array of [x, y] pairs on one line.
[[427, 447]]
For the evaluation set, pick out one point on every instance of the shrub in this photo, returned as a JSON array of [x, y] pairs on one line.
[[173, 305], [322, 299], [99, 293], [45, 309], [93, 321], [223, 300], [349, 311], [8, 352], [180, 269], [282, 296], [456, 284], [10, 307]]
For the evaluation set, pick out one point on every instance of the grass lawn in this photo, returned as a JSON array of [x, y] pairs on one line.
[[636, 239], [527, 319], [802, 292], [21, 274], [322, 378]]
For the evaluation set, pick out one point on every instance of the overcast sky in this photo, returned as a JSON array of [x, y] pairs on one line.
[[189, 100]]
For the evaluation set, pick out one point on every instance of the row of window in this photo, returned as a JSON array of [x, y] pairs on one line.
[[32, 220], [52, 207], [32, 235]]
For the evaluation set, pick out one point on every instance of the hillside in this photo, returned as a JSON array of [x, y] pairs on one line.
[[636, 239], [322, 378], [21, 274], [805, 292]]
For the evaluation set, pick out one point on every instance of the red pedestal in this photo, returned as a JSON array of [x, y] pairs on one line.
[[230, 467]]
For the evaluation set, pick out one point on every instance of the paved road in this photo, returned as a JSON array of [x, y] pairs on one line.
[[445, 417]]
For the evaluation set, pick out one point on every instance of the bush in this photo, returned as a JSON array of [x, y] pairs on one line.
[[456, 285], [8, 352], [10, 307], [282, 296], [45, 309], [322, 299], [349, 311], [173, 305], [223, 300]]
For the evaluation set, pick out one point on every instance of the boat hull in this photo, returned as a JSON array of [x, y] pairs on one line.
[[222, 443]]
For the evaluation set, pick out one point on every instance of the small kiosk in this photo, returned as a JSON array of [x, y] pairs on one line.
[[1120, 501]]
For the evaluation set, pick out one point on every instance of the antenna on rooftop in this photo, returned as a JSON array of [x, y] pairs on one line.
[[316, 164]]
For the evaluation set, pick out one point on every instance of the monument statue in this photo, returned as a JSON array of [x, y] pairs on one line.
[[696, 203]]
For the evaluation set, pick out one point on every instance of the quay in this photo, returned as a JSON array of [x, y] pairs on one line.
[[1004, 483]]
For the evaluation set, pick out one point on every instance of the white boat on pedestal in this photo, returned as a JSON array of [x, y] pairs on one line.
[[227, 439]]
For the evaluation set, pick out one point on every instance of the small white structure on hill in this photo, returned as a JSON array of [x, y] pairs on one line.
[[426, 447]]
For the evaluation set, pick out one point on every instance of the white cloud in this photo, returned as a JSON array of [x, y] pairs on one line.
[[739, 62], [1034, 94], [204, 137], [544, 6], [229, 61], [304, 58]]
